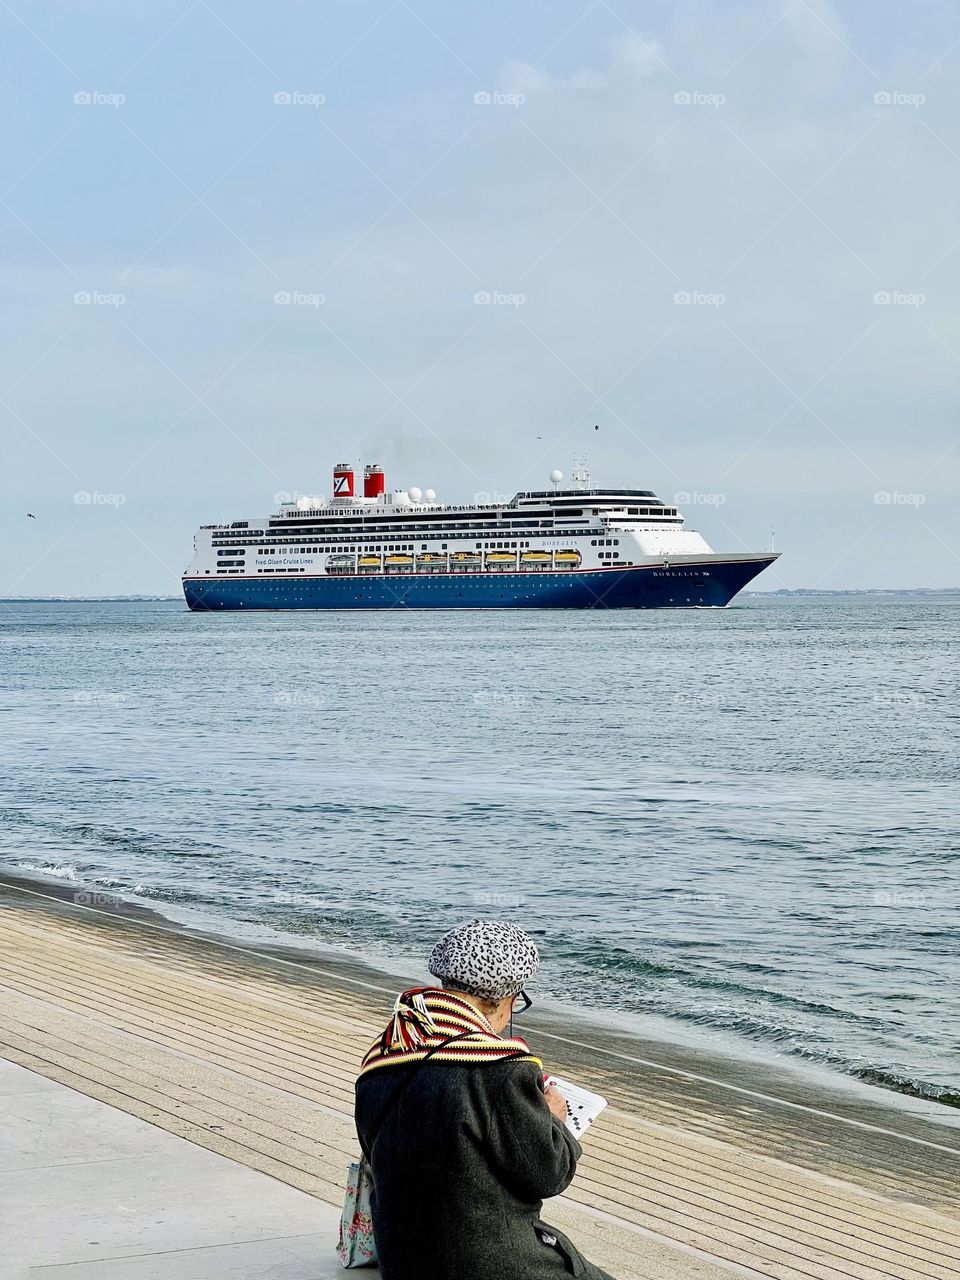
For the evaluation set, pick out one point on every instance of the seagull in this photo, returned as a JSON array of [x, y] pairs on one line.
[[596, 428], [31, 516]]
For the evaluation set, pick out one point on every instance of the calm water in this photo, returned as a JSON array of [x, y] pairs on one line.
[[742, 821]]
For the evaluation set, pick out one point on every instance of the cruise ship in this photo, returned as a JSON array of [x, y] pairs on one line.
[[573, 548]]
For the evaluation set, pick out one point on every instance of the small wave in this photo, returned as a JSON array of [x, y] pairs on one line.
[[58, 870], [144, 844], [942, 1093], [628, 966], [172, 894]]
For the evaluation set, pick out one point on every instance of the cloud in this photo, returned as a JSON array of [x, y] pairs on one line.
[[627, 57]]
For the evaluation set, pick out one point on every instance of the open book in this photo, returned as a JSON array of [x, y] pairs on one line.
[[583, 1107]]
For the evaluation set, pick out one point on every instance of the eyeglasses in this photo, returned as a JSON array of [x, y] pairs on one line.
[[514, 1011]]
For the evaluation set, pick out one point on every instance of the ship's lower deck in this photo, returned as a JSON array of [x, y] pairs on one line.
[[690, 584]]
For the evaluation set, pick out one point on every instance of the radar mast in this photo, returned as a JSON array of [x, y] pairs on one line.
[[581, 472]]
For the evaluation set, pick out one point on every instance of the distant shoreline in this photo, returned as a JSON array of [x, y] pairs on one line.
[[857, 591]]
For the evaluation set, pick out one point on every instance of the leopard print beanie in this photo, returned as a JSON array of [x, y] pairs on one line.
[[488, 958]]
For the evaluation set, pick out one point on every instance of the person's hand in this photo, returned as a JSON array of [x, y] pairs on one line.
[[557, 1103]]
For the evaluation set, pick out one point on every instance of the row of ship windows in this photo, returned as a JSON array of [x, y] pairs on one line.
[[353, 547], [458, 530], [284, 547], [350, 524], [461, 529]]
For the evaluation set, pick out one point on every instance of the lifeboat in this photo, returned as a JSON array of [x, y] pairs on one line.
[[370, 563], [432, 560], [464, 561], [536, 559], [501, 560], [398, 560], [567, 559], [341, 564]]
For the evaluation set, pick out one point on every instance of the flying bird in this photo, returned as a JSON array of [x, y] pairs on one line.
[[597, 428], [31, 516]]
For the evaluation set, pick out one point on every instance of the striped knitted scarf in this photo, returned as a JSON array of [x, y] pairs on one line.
[[426, 1016]]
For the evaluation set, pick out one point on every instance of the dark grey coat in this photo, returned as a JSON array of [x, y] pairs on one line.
[[461, 1166]]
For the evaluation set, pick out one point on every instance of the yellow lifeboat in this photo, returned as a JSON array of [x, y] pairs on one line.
[[399, 560], [536, 559], [432, 561], [465, 561], [501, 559], [567, 559]]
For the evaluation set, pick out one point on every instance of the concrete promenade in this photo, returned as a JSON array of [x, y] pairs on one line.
[[88, 1192], [253, 1061]]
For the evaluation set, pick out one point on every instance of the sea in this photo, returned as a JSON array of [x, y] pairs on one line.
[[738, 826]]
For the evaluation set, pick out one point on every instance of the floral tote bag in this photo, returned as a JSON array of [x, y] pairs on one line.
[[356, 1247]]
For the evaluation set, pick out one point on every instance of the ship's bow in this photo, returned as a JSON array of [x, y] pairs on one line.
[[731, 575]]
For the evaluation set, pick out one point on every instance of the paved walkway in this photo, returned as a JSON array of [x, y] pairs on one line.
[[254, 1061], [88, 1192]]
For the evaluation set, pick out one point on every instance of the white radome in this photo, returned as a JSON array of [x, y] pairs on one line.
[[429, 495], [556, 476], [414, 494]]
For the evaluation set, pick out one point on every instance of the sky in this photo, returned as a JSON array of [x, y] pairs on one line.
[[241, 243]]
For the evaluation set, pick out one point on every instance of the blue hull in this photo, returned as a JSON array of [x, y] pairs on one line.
[[642, 587]]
